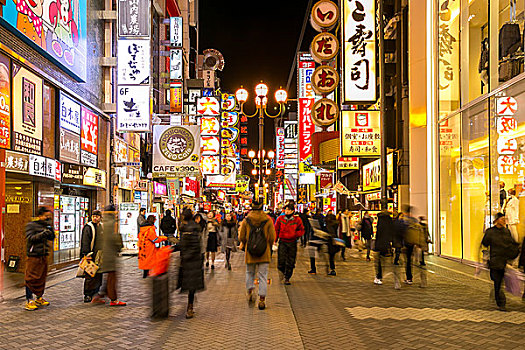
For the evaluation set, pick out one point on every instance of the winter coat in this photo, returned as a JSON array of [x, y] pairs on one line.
[[141, 220], [320, 218], [306, 223], [288, 229], [39, 235], [332, 224], [229, 235], [87, 238], [147, 250], [110, 244], [366, 228], [399, 233], [191, 274], [256, 218], [500, 243], [512, 210], [168, 225], [385, 232]]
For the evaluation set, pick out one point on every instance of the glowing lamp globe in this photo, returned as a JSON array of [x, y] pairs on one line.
[[254, 172], [271, 154], [241, 95], [261, 89], [281, 96], [251, 154]]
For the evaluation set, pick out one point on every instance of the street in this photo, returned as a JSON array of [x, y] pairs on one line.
[[316, 312]]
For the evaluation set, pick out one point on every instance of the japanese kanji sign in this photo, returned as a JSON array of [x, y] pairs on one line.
[[359, 50], [324, 47], [325, 15], [325, 112], [17, 162], [279, 148], [210, 126], [69, 114], [208, 106], [69, 146], [133, 108], [176, 97], [347, 163], [176, 64], [361, 133], [89, 135], [325, 79], [133, 18], [448, 50], [506, 105], [306, 128], [133, 65], [5, 102], [506, 125], [176, 31]]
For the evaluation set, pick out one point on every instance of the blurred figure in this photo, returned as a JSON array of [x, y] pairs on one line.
[[147, 249], [366, 229], [39, 239], [410, 228], [90, 245], [344, 231], [111, 246], [212, 238], [307, 227], [321, 238], [428, 240], [502, 194], [229, 236], [141, 219], [331, 223], [320, 218], [382, 248], [271, 214], [512, 214], [168, 225], [502, 248], [397, 239], [191, 278], [255, 228], [288, 229]]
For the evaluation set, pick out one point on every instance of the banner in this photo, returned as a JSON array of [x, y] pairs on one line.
[[176, 150], [372, 173], [133, 108], [361, 133], [133, 18], [134, 62], [5, 102]]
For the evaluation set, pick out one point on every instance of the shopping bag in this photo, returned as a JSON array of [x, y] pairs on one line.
[[88, 266], [512, 282], [80, 273]]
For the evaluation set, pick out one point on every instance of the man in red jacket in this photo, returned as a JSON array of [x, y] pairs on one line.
[[288, 228]]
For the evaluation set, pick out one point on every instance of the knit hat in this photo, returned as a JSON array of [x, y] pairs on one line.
[[498, 216]]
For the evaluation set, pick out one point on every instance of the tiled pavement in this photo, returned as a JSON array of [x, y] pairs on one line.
[[316, 312]]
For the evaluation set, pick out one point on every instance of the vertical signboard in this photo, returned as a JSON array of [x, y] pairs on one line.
[[133, 108], [176, 97], [133, 18], [133, 62], [361, 133], [359, 51], [290, 160], [279, 148], [5, 102], [176, 31], [89, 138], [306, 67], [27, 111], [176, 64], [69, 114]]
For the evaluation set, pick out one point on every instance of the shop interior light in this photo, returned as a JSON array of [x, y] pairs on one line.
[[268, 171], [254, 172]]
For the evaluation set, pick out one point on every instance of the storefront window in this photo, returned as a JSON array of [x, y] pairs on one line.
[[475, 51]]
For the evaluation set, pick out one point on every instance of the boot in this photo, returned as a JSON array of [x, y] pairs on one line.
[[189, 311], [262, 303]]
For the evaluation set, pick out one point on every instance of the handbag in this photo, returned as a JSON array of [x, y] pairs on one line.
[[512, 282]]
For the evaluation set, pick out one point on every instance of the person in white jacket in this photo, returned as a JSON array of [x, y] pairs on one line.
[[512, 210]]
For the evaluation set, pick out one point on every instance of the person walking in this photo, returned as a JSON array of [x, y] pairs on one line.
[[320, 218], [288, 229], [212, 238], [168, 225], [229, 235], [366, 230], [320, 238], [512, 213], [191, 276], [257, 230], [111, 245], [89, 247], [39, 236], [141, 219], [344, 231], [397, 239], [147, 249], [502, 248], [383, 248], [410, 229], [307, 227]]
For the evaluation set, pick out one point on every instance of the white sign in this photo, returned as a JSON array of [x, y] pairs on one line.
[[133, 108], [506, 105], [87, 158], [208, 106], [359, 50], [176, 31], [209, 78], [42, 166], [176, 150], [176, 64], [306, 67], [133, 65], [69, 114]]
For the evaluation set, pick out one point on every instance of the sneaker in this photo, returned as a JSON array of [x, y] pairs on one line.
[[229, 267], [98, 300], [41, 302], [87, 299], [409, 282], [262, 304], [213, 267], [30, 305], [117, 303], [250, 296], [207, 264], [332, 273], [378, 281], [312, 272], [287, 282]]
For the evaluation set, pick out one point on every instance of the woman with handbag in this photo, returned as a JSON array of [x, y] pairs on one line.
[[229, 234], [212, 234], [147, 239]]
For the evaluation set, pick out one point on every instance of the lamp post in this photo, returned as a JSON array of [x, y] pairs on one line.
[[260, 162], [261, 91]]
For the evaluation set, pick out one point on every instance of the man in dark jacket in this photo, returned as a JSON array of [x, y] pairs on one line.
[[500, 243], [367, 231], [39, 236], [288, 228], [382, 248], [89, 246], [307, 227], [168, 225]]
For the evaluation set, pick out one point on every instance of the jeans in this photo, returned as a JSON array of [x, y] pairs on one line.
[[368, 243], [409, 252], [379, 260], [262, 275], [286, 258], [497, 277]]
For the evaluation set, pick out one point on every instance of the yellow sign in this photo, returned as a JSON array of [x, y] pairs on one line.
[[372, 173], [361, 133], [95, 177]]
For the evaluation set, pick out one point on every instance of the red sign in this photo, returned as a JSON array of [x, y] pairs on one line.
[[191, 187], [325, 179], [306, 128], [279, 157], [5, 103], [58, 171], [89, 137]]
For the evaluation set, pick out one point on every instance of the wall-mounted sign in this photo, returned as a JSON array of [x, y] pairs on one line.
[[69, 146], [89, 131], [325, 112], [41, 166], [121, 151], [133, 109], [279, 148], [16, 162], [27, 111], [5, 102], [359, 51], [305, 69], [94, 177], [72, 174], [360, 133], [133, 18], [208, 106], [325, 79], [176, 31], [324, 47], [347, 163], [210, 145], [194, 94], [372, 173], [69, 111], [230, 119], [176, 72], [209, 79], [176, 150], [88, 159], [160, 189], [228, 102], [210, 126], [134, 62], [325, 15], [176, 97], [306, 128], [210, 165]]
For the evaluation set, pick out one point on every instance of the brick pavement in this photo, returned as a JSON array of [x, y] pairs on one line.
[[316, 312]]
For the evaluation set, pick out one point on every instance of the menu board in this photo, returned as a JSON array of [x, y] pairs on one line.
[[128, 228], [67, 222]]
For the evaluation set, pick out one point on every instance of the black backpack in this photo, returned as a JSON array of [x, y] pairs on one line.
[[257, 241]]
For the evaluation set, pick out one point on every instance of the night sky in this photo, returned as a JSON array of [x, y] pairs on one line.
[[258, 41]]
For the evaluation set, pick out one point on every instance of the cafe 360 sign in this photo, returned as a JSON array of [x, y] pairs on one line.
[[176, 144], [176, 150]]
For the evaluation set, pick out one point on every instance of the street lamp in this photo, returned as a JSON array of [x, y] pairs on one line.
[[261, 163]]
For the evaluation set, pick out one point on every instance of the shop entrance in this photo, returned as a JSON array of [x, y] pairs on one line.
[[73, 216]]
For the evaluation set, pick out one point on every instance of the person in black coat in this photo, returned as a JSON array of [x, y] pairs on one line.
[[367, 231], [307, 227], [191, 277], [90, 244], [168, 225], [383, 246]]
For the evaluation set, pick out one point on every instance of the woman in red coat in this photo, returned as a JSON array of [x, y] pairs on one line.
[[147, 239]]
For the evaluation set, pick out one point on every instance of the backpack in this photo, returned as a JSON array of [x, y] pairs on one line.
[[415, 234], [257, 241]]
